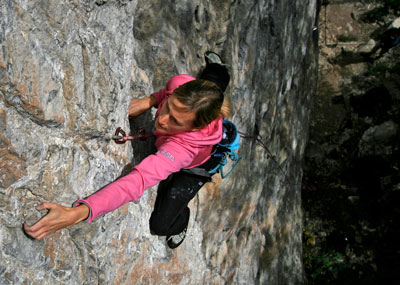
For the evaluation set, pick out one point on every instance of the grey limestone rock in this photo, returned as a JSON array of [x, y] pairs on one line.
[[68, 70]]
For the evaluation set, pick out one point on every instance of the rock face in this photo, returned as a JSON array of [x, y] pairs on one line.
[[68, 70]]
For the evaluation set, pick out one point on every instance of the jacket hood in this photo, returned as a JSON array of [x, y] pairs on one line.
[[209, 135]]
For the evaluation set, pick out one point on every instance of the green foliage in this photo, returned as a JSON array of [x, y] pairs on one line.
[[381, 69], [394, 5], [377, 70], [324, 268], [322, 265], [346, 38], [377, 14], [328, 265]]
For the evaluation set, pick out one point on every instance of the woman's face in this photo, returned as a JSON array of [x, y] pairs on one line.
[[173, 118]]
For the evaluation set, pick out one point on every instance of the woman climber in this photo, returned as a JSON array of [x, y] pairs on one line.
[[188, 123]]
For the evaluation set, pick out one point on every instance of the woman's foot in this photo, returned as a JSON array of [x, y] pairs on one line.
[[216, 70], [176, 240], [212, 57]]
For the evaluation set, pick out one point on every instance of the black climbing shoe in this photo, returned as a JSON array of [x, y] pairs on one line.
[[212, 57], [176, 240], [216, 70]]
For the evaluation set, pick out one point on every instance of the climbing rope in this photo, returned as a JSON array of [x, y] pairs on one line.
[[269, 155]]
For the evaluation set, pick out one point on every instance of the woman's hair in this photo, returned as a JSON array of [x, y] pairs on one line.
[[204, 98]]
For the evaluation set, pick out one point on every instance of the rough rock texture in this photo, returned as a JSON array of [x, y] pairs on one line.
[[67, 72]]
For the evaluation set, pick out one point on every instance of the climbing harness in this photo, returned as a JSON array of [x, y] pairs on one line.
[[120, 136]]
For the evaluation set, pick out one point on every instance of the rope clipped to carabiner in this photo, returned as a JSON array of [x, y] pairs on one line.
[[120, 136]]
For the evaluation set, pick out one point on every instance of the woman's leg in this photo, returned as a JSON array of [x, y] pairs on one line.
[[215, 71], [171, 214]]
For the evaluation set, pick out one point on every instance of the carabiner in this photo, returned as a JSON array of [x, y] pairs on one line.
[[120, 136]]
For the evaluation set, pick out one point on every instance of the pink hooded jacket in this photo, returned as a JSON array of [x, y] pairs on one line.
[[175, 152]]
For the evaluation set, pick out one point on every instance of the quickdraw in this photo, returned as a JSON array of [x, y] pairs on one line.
[[120, 136]]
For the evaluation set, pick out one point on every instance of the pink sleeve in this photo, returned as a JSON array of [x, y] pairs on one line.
[[171, 157], [159, 95]]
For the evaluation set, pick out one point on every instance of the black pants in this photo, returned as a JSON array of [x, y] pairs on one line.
[[171, 212]]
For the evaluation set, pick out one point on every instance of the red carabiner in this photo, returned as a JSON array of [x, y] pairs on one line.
[[120, 136]]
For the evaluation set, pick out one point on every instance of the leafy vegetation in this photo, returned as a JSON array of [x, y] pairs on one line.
[[381, 69], [347, 38], [378, 14]]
